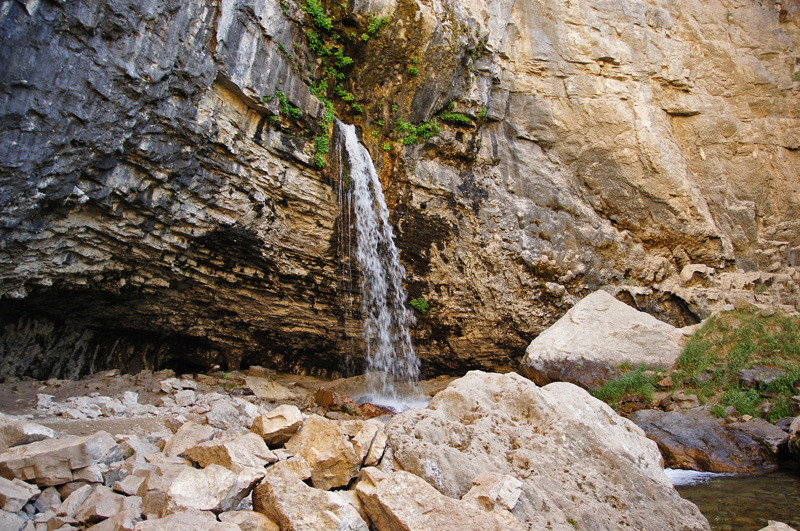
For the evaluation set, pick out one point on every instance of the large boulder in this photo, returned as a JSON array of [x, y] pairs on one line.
[[405, 502], [595, 336], [696, 440], [578, 461]]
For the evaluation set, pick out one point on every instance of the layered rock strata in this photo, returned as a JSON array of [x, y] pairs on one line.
[[161, 206]]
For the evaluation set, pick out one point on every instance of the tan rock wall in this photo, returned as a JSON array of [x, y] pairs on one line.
[[153, 213]]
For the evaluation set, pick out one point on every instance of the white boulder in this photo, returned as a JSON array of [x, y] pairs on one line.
[[577, 459], [600, 331]]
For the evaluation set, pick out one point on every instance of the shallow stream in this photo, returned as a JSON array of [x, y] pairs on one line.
[[746, 503]]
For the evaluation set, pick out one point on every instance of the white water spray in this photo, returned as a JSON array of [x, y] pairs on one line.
[[391, 365]]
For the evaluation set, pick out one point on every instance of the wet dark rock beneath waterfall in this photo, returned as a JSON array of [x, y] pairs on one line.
[[696, 440]]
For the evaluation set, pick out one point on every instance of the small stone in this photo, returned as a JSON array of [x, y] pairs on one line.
[[15, 494], [51, 462], [44, 401], [665, 383], [73, 502], [128, 486], [685, 401], [10, 521], [89, 474], [206, 489], [327, 451], [185, 397], [68, 488], [187, 383], [170, 385], [278, 426], [188, 435], [224, 415], [48, 499], [249, 521], [16, 432], [387, 499], [190, 520], [59, 522], [284, 498], [269, 390], [125, 520], [102, 503], [130, 398], [234, 453]]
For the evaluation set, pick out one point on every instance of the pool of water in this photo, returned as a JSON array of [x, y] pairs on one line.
[[746, 503]]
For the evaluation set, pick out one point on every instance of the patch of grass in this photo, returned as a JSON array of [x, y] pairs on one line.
[[732, 341], [633, 382], [746, 401]]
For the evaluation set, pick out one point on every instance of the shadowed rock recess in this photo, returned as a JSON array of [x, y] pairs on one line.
[[161, 205]]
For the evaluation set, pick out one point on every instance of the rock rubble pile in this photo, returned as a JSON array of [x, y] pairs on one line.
[[492, 451]]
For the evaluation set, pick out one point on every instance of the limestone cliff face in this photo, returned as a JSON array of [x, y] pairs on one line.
[[161, 205]]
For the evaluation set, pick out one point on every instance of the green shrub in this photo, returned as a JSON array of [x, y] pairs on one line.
[[317, 13], [413, 70], [456, 117], [386, 146], [420, 304], [286, 106], [375, 24], [413, 133], [341, 59]]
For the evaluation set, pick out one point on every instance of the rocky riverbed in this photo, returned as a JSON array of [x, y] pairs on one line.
[[257, 451]]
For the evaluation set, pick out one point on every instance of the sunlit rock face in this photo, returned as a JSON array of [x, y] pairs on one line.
[[154, 214]]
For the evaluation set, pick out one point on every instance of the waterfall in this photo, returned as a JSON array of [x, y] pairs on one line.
[[392, 367]]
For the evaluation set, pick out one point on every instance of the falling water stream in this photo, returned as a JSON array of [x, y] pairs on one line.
[[392, 367]]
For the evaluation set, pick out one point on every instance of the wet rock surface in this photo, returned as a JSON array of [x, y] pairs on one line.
[[695, 440]]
